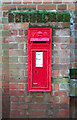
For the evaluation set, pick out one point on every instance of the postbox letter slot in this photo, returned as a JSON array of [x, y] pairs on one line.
[[39, 39]]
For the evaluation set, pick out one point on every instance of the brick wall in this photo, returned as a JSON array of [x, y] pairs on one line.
[[73, 45], [17, 101]]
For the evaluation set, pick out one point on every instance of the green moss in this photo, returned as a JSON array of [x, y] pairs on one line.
[[60, 80], [64, 86], [73, 73], [41, 16]]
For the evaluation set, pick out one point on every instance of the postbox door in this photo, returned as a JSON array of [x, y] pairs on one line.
[[39, 69]]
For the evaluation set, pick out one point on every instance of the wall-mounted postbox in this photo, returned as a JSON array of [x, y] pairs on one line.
[[39, 59]]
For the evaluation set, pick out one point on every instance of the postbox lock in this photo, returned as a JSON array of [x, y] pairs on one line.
[[35, 71]]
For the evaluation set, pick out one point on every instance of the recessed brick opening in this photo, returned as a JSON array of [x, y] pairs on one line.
[[17, 101]]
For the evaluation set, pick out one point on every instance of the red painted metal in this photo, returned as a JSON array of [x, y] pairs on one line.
[[39, 59]]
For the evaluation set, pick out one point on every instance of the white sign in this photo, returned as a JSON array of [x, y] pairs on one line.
[[39, 59]]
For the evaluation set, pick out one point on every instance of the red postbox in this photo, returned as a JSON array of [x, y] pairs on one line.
[[39, 59]]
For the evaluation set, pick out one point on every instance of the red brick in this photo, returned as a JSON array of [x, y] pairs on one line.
[[75, 26], [14, 39], [13, 32], [18, 25], [64, 106], [13, 46], [21, 46], [52, 105], [61, 39], [26, 32], [14, 99], [62, 32], [17, 92], [75, 20], [66, 1], [5, 97], [55, 72], [14, 112], [6, 114], [65, 53], [0, 59], [36, 113], [0, 26], [49, 99], [16, 1], [5, 59], [27, 1], [72, 65], [17, 66], [13, 86], [56, 86], [21, 99], [6, 90], [28, 99], [21, 86], [27, 6], [47, 7], [60, 25], [18, 79], [71, 7], [17, 53], [5, 102], [64, 73], [36, 94], [0, 84], [56, 100], [73, 59], [47, 1], [20, 32], [13, 60], [61, 46], [37, 2], [1, 91], [16, 72], [64, 99], [64, 60], [57, 105], [60, 66], [6, 2], [57, 1], [38, 106], [74, 46], [62, 7], [50, 112], [5, 14], [5, 84], [39, 99], [75, 12], [64, 112], [60, 93], [21, 112], [22, 59], [75, 115], [27, 113], [8, 7], [19, 106], [56, 60]]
